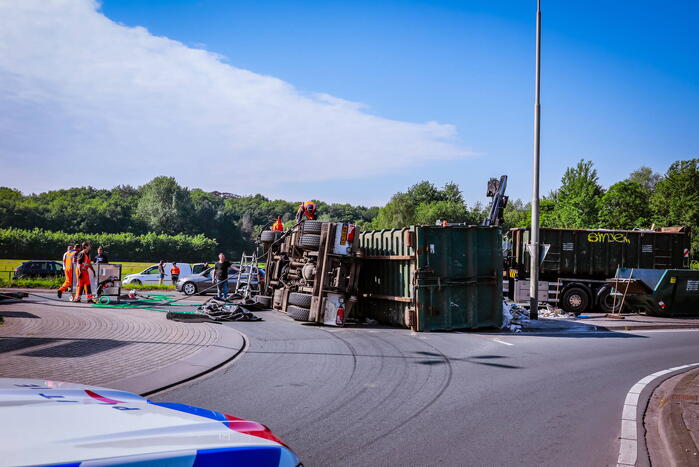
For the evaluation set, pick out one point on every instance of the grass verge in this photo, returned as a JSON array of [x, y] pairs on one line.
[[31, 283]]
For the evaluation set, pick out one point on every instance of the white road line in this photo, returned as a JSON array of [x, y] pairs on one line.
[[628, 443], [502, 342]]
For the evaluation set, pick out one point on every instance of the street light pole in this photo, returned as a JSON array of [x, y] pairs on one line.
[[534, 276]]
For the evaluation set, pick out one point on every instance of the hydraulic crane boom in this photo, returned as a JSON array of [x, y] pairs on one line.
[[496, 190]]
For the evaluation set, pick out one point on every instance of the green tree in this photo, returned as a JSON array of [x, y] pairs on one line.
[[516, 214], [625, 206], [165, 206], [398, 212], [645, 177], [577, 199], [452, 211], [676, 198]]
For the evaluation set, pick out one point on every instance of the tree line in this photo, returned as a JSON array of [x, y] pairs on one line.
[[643, 199]]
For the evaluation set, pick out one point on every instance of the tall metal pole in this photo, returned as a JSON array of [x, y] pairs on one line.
[[534, 276]]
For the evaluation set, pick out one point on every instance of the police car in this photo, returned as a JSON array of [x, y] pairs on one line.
[[54, 423]]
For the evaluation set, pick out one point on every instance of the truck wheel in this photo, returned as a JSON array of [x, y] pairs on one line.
[[269, 236], [300, 299], [608, 303], [575, 300], [298, 313], [263, 300], [309, 241], [312, 227]]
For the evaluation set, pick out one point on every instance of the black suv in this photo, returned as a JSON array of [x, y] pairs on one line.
[[39, 269]]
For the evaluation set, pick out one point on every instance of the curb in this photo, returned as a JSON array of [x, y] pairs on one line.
[[631, 421], [649, 327], [596, 328], [230, 344]]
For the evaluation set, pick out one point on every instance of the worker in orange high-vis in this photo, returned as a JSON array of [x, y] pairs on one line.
[[84, 266], [307, 209], [278, 225], [68, 258], [175, 273]]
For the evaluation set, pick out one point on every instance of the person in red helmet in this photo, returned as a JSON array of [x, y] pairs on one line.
[[278, 225], [307, 209]]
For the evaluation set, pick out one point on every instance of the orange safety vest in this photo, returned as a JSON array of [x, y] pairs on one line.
[[174, 270], [85, 265], [68, 259]]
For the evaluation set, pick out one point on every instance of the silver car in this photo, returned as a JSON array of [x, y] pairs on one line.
[[201, 283]]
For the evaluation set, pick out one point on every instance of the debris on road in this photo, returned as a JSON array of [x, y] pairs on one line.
[[217, 309], [513, 317]]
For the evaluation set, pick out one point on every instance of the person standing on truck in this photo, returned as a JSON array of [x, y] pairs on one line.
[[307, 209], [84, 266], [161, 271], [174, 273], [220, 276], [68, 258]]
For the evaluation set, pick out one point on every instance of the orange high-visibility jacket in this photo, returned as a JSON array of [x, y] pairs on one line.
[[68, 259]]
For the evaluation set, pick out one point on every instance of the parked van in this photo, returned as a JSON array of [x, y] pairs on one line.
[[151, 275]]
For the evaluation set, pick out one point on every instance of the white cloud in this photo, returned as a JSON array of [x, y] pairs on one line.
[[76, 86]]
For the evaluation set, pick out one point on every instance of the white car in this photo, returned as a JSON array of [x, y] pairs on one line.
[[55, 423], [150, 275]]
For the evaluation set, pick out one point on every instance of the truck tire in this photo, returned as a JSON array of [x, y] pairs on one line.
[[575, 300], [263, 300], [298, 313], [300, 299], [607, 302], [310, 241], [269, 236], [312, 227]]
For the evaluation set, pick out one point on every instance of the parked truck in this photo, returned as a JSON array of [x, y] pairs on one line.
[[578, 263]]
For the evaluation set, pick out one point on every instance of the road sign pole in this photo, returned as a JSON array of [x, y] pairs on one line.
[[534, 277]]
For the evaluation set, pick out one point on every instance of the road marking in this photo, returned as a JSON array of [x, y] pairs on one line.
[[628, 442], [502, 342]]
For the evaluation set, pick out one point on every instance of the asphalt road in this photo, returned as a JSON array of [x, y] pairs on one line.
[[381, 396]]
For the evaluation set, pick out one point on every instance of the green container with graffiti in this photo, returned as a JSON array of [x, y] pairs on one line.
[[432, 278], [596, 254]]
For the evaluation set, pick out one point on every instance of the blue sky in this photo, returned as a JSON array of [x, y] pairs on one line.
[[620, 83]]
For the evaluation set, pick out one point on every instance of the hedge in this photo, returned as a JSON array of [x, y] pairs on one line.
[[44, 244]]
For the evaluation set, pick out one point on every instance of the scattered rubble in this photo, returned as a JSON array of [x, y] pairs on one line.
[[513, 317]]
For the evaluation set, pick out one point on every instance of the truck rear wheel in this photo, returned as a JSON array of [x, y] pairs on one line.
[[575, 300], [269, 235], [310, 241], [300, 299], [312, 227], [298, 313], [608, 303]]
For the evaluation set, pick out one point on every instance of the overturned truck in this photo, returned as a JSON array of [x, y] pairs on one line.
[[312, 271]]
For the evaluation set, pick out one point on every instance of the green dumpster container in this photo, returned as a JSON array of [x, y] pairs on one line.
[[674, 292], [432, 278]]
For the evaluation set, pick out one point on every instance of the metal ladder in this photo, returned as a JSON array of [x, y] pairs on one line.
[[245, 285]]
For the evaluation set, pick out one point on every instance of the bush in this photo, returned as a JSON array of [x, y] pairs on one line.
[[42, 244], [32, 283]]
